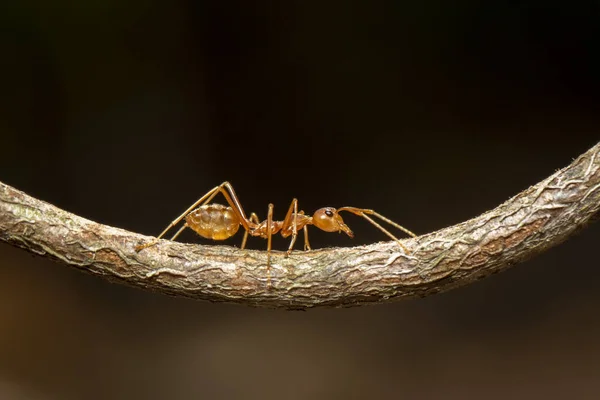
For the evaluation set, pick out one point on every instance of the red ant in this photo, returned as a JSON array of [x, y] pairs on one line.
[[219, 222]]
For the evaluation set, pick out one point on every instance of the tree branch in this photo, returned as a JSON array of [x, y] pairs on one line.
[[531, 222]]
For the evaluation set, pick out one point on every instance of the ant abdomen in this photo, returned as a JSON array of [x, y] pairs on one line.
[[213, 221]]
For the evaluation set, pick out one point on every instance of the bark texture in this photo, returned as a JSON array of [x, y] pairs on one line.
[[531, 222]]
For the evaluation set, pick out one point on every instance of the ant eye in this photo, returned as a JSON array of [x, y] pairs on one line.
[[329, 213]]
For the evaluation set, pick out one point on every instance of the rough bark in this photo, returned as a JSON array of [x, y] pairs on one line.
[[531, 222]]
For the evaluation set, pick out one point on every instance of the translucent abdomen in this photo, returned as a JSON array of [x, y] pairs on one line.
[[213, 221]]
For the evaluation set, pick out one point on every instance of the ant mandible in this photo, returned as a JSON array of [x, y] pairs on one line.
[[219, 222]]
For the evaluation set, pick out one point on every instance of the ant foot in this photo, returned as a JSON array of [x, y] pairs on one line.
[[141, 247], [406, 251]]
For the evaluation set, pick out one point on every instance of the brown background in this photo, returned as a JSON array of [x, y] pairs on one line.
[[430, 112]]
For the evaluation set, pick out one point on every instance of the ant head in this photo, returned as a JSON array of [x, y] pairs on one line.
[[329, 220]]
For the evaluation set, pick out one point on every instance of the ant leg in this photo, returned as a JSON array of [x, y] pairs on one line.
[[305, 228], [179, 231], [234, 202], [292, 217], [155, 240], [363, 213], [253, 218], [306, 242], [269, 234]]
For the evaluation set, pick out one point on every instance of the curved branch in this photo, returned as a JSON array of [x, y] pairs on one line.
[[536, 219]]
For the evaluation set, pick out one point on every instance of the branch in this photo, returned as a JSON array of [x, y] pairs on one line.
[[531, 222]]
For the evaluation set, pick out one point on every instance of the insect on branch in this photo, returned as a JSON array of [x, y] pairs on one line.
[[531, 222]]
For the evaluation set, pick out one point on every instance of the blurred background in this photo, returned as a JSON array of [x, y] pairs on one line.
[[430, 112]]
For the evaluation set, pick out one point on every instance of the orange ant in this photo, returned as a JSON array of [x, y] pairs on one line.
[[219, 222]]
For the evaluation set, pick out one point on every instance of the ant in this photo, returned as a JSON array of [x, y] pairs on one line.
[[219, 222]]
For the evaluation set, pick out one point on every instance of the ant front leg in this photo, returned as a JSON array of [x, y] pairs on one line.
[[306, 242]]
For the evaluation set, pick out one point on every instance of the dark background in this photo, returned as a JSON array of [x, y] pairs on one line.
[[430, 112]]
